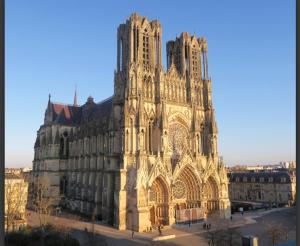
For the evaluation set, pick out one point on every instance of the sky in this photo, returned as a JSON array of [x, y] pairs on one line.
[[53, 45]]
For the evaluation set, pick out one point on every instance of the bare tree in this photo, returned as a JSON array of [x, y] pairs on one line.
[[234, 236], [217, 226], [276, 232], [14, 202], [222, 232], [42, 200]]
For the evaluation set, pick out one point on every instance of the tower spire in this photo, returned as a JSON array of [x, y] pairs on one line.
[[49, 101], [75, 96]]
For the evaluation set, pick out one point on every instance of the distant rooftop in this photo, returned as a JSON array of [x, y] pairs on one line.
[[12, 176]]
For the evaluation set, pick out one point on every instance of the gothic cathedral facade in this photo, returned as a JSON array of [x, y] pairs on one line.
[[148, 152]]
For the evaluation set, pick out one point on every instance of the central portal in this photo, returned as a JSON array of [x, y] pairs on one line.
[[159, 202]]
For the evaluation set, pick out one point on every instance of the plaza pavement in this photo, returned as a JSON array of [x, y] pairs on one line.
[[115, 237]]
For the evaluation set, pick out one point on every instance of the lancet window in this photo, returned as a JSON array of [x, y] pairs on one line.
[[146, 48]]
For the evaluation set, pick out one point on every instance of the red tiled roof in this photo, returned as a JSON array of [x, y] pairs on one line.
[[72, 115], [58, 108]]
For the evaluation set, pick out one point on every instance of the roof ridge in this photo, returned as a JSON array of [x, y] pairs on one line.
[[66, 104], [105, 100]]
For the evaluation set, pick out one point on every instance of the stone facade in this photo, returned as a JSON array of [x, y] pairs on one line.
[[148, 150], [276, 187]]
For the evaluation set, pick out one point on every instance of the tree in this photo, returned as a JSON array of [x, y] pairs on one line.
[[275, 232], [230, 236], [222, 232], [42, 200], [15, 201], [217, 226]]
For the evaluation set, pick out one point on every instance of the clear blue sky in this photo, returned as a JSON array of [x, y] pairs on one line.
[[51, 45]]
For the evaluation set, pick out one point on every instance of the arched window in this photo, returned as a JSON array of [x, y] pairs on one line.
[[156, 44], [61, 147], [63, 185], [150, 91], [187, 67], [145, 86], [127, 143], [67, 148], [131, 135], [134, 44], [195, 63], [204, 64], [145, 48]]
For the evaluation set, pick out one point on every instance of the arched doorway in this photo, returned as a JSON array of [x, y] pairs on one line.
[[212, 194], [159, 202], [186, 189], [186, 194]]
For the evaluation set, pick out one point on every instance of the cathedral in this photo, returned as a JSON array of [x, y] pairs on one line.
[[148, 154]]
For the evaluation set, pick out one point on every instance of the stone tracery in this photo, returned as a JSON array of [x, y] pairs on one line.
[[179, 190]]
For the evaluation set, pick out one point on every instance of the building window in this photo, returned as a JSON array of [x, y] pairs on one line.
[[283, 180], [146, 49], [177, 60], [259, 195], [63, 185], [261, 179], [270, 179], [245, 179], [253, 180], [237, 179], [61, 147], [195, 63]]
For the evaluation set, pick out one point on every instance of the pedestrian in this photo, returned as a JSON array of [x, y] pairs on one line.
[[231, 217], [132, 233], [242, 213], [189, 223], [159, 230], [204, 225]]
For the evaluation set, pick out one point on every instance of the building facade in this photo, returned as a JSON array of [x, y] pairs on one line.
[[16, 191], [148, 151], [276, 187]]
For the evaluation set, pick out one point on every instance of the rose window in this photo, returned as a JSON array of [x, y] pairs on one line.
[[177, 140], [179, 190]]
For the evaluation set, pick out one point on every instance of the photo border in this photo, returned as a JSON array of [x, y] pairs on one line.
[[2, 119]]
